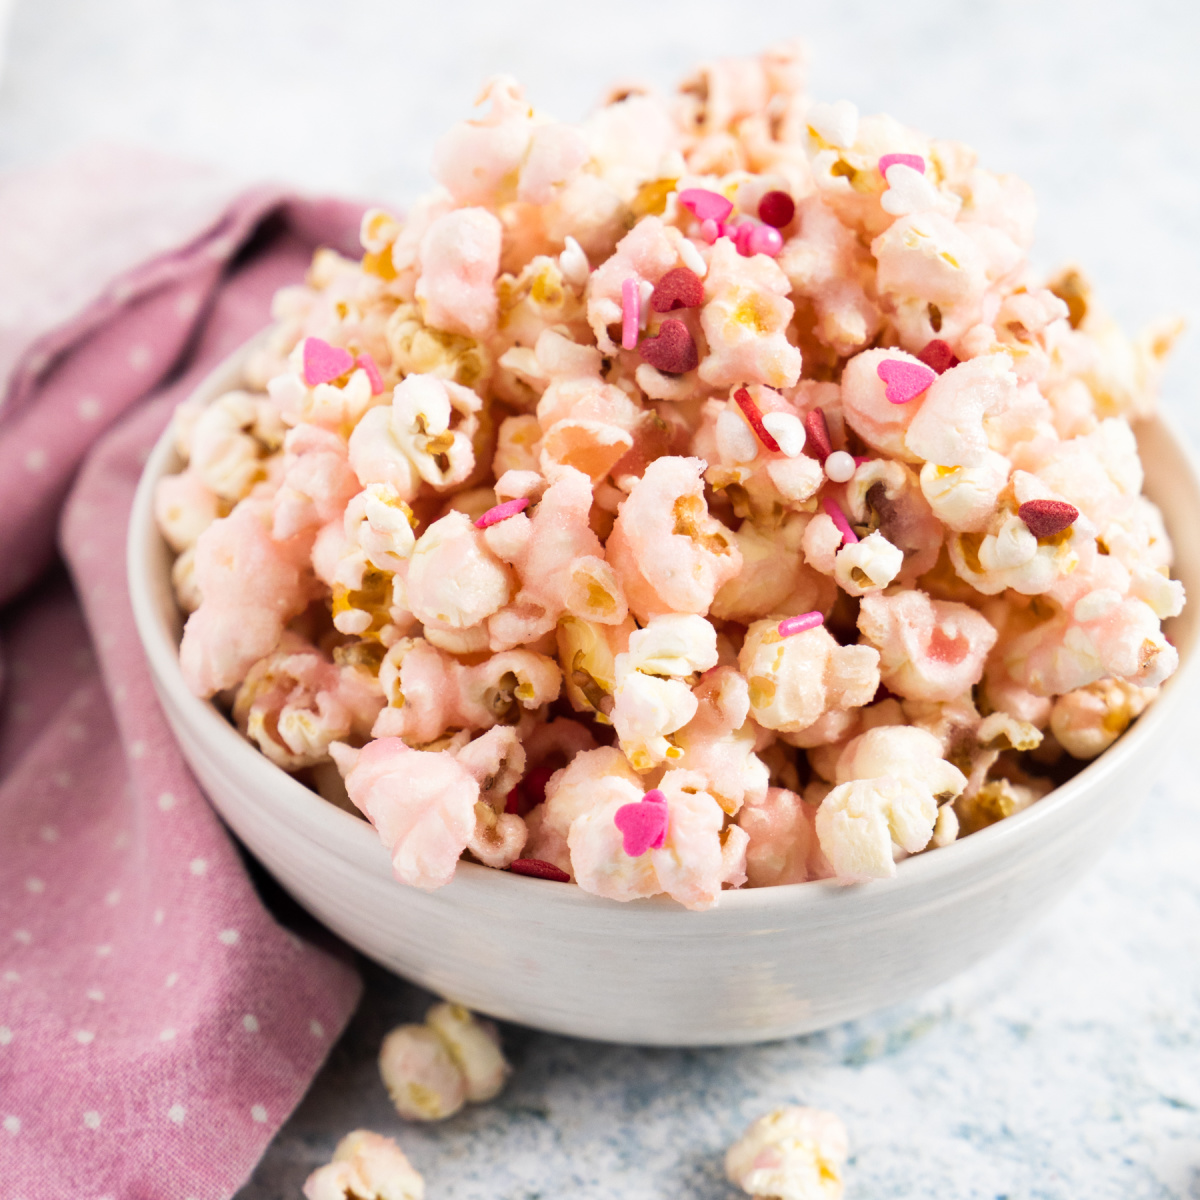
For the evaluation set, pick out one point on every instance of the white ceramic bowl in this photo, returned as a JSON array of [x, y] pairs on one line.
[[765, 963]]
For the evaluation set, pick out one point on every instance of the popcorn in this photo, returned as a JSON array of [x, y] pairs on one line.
[[366, 1166], [792, 1153], [648, 419]]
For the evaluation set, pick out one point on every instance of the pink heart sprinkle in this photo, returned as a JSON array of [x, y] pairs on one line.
[[323, 363], [643, 824], [904, 380], [502, 512], [908, 160], [792, 625], [706, 205], [368, 365]]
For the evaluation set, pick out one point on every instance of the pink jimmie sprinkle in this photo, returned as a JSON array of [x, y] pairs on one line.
[[324, 363], [710, 230], [834, 511], [368, 364], [904, 381], [741, 234], [754, 417], [630, 306], [908, 160], [791, 625], [705, 205], [502, 512], [643, 824]]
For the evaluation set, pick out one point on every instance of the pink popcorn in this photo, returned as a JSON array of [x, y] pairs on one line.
[[430, 692], [928, 649], [367, 1166], [223, 450], [887, 496], [453, 577], [1088, 720], [184, 507], [587, 425], [745, 319], [294, 702], [669, 554], [421, 804], [881, 424], [460, 259], [783, 846], [688, 866], [317, 481], [795, 680], [250, 587]]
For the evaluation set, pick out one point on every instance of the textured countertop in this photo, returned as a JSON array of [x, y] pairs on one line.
[[1068, 1065]]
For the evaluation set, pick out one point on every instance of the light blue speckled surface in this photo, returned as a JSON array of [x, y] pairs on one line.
[[1066, 1067]]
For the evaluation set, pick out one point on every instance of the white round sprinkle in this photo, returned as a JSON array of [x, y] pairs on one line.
[[259, 1113], [176, 1113], [839, 466], [91, 1119], [250, 1023]]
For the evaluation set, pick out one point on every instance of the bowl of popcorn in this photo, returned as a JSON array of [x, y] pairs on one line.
[[693, 580]]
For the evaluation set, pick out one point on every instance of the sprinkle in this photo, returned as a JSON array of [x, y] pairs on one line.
[[1045, 518], [839, 466], [645, 291], [904, 380], [754, 417], [679, 288], [776, 209], [629, 314], [530, 792], [710, 230], [692, 258], [705, 205], [793, 625], [787, 430], [643, 824], [538, 869], [673, 351], [324, 363], [834, 511], [818, 440], [909, 160], [763, 239], [938, 356], [741, 236], [502, 512], [368, 364]]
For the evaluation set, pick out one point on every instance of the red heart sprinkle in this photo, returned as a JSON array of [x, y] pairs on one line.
[[679, 288], [754, 417], [776, 209], [904, 381], [673, 352], [1045, 518], [538, 869], [643, 824], [817, 435], [323, 363], [938, 356]]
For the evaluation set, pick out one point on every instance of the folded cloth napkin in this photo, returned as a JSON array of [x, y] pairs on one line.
[[156, 1024]]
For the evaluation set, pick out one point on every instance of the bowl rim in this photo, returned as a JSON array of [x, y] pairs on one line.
[[335, 828]]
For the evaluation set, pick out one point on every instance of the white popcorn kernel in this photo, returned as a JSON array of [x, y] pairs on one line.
[[792, 1153], [573, 263], [858, 822], [421, 1075], [839, 466], [1164, 595], [835, 123], [867, 565], [736, 442], [475, 1046], [378, 230], [911, 191], [676, 644], [788, 431], [366, 1166], [945, 830]]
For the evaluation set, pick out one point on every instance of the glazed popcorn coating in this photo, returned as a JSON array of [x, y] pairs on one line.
[[365, 1166], [654, 472], [792, 1153]]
